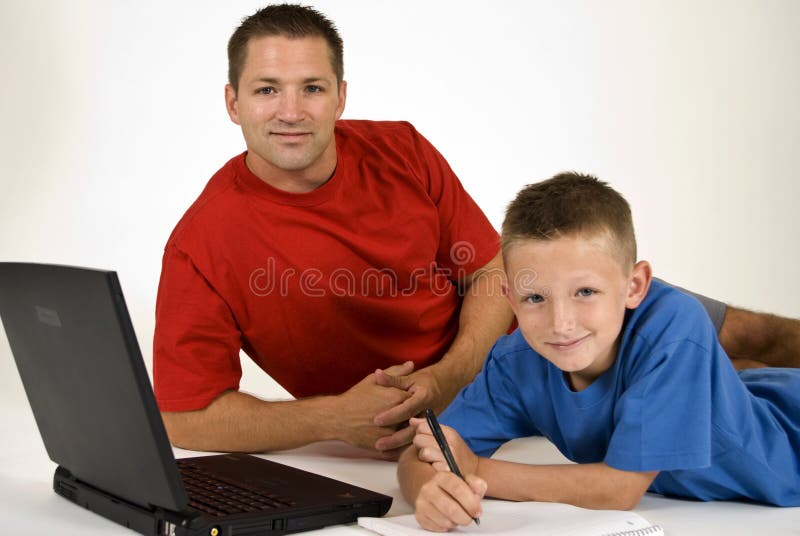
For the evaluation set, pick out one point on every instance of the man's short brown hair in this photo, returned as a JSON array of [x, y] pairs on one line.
[[288, 20], [568, 204]]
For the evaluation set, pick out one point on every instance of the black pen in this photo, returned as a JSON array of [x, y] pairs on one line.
[[430, 416]]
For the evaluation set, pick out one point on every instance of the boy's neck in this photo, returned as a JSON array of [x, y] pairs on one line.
[[581, 379]]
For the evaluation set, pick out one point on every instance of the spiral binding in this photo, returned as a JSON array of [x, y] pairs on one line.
[[647, 531]]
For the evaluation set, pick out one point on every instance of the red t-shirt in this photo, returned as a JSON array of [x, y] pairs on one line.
[[321, 288]]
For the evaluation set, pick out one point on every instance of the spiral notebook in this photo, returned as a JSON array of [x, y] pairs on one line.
[[525, 518]]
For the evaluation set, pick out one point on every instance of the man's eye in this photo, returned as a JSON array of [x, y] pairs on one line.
[[535, 298], [313, 89], [584, 292], [266, 90]]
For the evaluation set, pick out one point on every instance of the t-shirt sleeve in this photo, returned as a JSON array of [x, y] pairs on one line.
[[714, 308], [663, 419], [196, 342], [467, 239], [490, 411]]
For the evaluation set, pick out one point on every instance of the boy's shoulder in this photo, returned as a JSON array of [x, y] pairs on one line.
[[510, 345], [512, 355], [667, 315]]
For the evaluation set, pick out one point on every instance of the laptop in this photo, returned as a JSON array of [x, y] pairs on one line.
[[77, 354]]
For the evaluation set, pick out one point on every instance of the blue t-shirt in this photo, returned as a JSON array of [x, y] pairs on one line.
[[672, 402]]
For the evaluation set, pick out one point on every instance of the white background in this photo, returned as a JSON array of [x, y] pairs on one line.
[[113, 120]]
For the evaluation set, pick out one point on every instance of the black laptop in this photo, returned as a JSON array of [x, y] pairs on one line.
[[84, 376]]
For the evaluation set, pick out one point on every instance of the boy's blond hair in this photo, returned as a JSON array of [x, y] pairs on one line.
[[571, 204]]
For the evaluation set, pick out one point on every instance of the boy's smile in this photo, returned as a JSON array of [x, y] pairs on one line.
[[570, 296]]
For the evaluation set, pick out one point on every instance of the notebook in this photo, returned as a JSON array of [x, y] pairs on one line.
[[525, 518], [82, 370]]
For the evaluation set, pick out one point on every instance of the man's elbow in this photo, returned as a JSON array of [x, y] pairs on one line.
[[181, 427]]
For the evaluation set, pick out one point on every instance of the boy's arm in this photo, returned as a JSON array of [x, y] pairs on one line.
[[441, 500], [590, 485]]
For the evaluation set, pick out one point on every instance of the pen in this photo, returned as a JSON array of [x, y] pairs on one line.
[[430, 416]]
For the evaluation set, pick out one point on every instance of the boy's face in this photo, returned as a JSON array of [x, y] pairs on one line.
[[570, 296]]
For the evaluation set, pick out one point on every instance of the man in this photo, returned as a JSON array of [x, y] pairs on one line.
[[343, 257]]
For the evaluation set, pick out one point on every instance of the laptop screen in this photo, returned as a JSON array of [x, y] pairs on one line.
[[74, 345]]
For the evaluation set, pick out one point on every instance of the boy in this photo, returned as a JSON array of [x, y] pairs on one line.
[[623, 373]]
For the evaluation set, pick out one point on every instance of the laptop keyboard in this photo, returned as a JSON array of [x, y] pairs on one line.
[[216, 497]]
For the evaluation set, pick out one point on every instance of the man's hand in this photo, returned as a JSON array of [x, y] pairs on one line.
[[424, 392], [362, 402]]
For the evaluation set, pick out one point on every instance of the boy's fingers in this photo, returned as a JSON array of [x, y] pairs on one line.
[[440, 466], [429, 454], [416, 422], [425, 441], [459, 503], [432, 520], [477, 484]]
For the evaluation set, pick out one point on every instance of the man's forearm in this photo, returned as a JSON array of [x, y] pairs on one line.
[[485, 317], [238, 422], [769, 339]]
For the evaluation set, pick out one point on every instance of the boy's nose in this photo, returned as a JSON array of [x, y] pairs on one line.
[[563, 318]]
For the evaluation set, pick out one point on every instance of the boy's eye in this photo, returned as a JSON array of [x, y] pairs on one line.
[[535, 298], [584, 292]]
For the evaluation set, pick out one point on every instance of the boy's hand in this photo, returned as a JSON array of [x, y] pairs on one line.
[[446, 501], [428, 450]]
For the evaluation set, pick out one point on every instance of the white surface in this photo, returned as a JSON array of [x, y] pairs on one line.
[[28, 504], [505, 518]]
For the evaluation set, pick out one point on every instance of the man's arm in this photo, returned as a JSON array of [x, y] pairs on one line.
[[759, 339], [238, 422], [753, 339], [485, 316]]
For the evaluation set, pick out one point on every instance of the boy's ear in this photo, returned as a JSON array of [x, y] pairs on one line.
[[639, 283], [507, 293]]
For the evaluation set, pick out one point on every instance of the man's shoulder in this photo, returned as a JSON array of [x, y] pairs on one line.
[[212, 204], [366, 126], [391, 133]]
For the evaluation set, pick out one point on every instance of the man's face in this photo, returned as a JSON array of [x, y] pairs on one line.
[[287, 104]]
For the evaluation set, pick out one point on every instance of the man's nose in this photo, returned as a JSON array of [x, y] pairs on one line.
[[290, 109]]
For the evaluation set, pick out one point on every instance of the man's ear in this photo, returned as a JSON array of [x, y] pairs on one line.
[[232, 103], [638, 284], [342, 99]]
